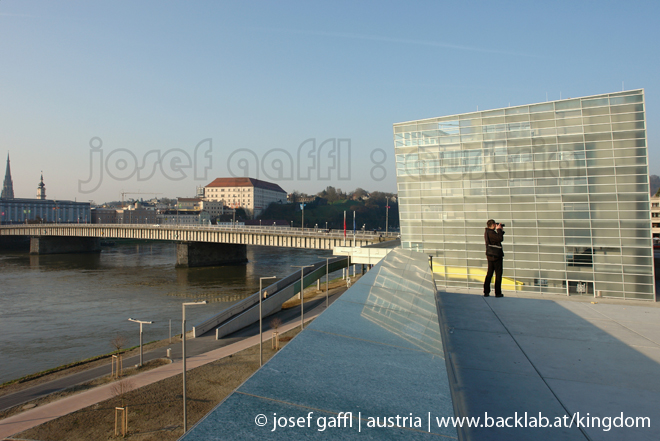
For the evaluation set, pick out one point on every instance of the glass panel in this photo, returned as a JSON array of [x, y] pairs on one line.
[[626, 99], [598, 128], [493, 121], [596, 102], [597, 136], [536, 108], [605, 119], [542, 116], [517, 118], [623, 117], [568, 122], [567, 104], [627, 108], [608, 162], [595, 111], [488, 113], [631, 161]]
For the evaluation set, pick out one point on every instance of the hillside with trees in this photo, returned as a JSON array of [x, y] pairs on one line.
[[329, 206]]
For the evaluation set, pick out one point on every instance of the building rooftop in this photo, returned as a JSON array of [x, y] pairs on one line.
[[381, 351], [245, 182]]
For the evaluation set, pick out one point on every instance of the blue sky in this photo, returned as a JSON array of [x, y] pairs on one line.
[[259, 79]]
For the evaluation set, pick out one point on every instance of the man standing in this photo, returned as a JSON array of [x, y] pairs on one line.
[[493, 236]]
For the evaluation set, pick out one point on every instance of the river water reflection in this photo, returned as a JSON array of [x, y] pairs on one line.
[[56, 309]]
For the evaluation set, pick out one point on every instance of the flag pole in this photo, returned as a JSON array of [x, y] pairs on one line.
[[344, 227]]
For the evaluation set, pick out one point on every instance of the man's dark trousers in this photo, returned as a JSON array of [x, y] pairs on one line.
[[494, 265]]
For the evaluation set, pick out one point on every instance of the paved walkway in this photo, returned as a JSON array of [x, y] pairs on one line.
[[41, 414], [576, 356]]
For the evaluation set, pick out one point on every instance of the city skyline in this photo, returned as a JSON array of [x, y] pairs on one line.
[[213, 90]]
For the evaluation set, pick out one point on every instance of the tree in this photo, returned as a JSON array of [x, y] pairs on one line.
[[359, 193], [241, 214]]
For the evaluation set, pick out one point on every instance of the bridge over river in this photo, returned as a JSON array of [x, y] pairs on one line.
[[196, 245]]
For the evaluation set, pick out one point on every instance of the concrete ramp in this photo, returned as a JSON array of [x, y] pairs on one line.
[[246, 312]]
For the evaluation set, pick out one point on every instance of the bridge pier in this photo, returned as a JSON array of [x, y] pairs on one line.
[[64, 245], [193, 254]]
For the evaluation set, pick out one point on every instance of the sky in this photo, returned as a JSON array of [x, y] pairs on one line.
[[158, 97]]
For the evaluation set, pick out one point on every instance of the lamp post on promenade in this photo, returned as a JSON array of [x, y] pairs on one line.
[[183, 341], [327, 276], [141, 322], [261, 338], [387, 214], [302, 292]]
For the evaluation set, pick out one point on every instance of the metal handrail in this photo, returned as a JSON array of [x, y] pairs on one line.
[[243, 228]]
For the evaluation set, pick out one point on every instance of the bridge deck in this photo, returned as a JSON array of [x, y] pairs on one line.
[[244, 235]]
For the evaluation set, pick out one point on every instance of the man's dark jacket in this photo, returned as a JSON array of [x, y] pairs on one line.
[[493, 237]]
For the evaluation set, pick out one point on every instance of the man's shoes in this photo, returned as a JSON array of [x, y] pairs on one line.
[[499, 295], [486, 295]]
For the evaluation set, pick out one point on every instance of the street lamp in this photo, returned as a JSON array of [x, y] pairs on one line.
[[387, 213], [327, 276], [302, 291], [261, 338], [183, 341], [141, 322]]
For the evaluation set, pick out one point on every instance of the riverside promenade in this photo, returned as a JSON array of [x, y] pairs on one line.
[[201, 351]]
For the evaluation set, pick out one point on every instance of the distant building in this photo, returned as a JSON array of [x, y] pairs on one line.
[[104, 215], [183, 217], [655, 216], [300, 198], [214, 208], [188, 203], [19, 210], [132, 214], [250, 194], [136, 216]]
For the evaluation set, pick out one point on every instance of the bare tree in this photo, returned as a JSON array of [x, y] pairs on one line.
[[118, 342], [275, 323], [119, 389]]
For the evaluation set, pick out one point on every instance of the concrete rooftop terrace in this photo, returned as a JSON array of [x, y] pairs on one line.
[[380, 351]]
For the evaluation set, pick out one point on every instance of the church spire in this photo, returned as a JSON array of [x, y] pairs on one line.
[[41, 188], [8, 184]]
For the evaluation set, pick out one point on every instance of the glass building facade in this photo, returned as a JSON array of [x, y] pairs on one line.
[[569, 179]]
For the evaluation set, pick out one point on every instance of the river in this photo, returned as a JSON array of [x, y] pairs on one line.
[[56, 309]]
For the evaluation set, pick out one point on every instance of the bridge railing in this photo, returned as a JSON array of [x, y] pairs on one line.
[[296, 231]]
